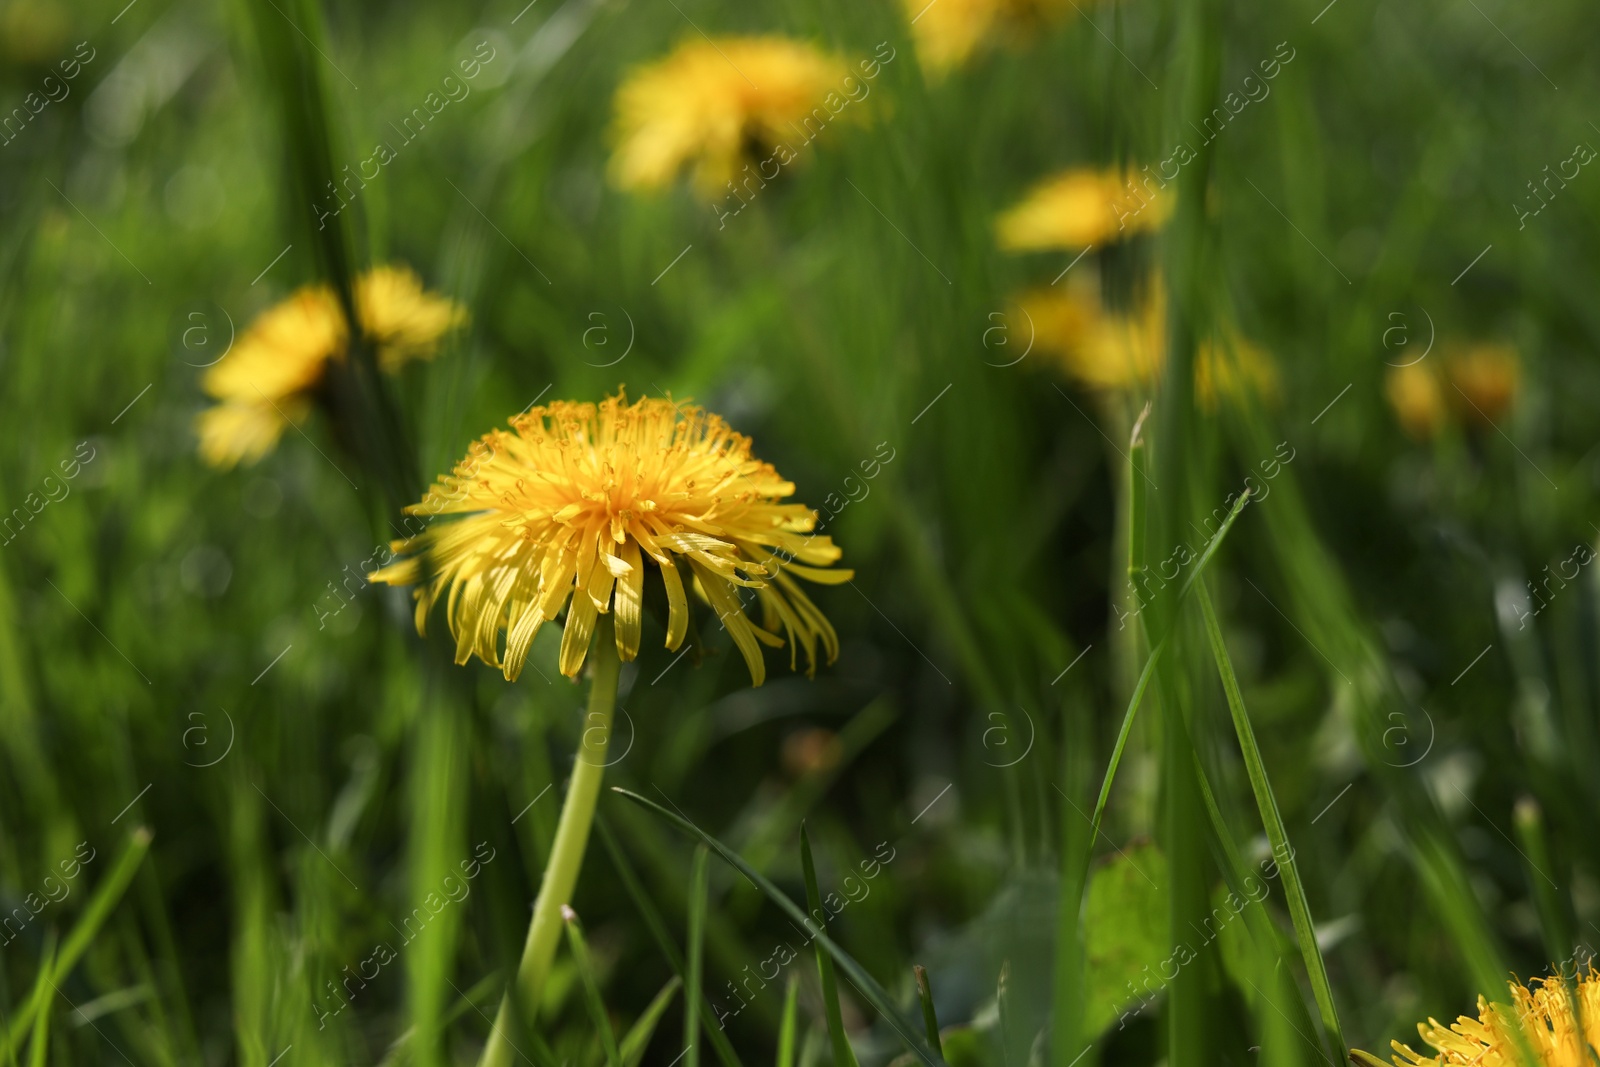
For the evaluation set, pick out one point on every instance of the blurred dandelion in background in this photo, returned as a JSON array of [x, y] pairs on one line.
[[712, 106], [269, 381]]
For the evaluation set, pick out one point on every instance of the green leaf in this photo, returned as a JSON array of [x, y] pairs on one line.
[[1124, 922]]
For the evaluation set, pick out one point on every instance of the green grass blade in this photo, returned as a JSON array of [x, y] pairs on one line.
[[843, 1055], [791, 1016], [591, 987], [105, 898], [658, 929], [697, 952], [40, 1041], [1138, 461], [869, 988], [637, 1039], [1002, 1002], [1150, 669], [1277, 836], [930, 1018]]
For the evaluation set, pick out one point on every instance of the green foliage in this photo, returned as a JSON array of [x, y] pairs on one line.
[[1124, 921], [1408, 695]]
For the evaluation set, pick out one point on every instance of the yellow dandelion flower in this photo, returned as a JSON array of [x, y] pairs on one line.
[[948, 32], [267, 382], [581, 502], [1084, 208], [1545, 1014], [714, 105], [1413, 391], [1486, 378]]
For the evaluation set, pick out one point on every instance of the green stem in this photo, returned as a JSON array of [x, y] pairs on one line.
[[566, 854]]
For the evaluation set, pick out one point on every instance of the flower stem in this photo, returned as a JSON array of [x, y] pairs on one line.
[[566, 854]]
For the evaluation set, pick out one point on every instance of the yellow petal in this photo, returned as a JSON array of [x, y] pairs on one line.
[[630, 601]]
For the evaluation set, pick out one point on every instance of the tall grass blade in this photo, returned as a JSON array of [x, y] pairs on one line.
[[1277, 836], [39, 1045], [637, 1039], [930, 1018], [865, 984], [105, 898], [697, 951], [658, 930], [789, 1025], [843, 1055], [591, 987], [1150, 669]]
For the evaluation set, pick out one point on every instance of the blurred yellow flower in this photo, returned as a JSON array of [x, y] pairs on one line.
[[268, 380], [402, 319], [1084, 208], [714, 105], [1111, 349], [948, 32], [1413, 391], [1127, 350], [581, 502], [1547, 1023], [1486, 377]]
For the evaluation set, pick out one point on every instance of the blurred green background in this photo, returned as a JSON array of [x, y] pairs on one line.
[[179, 650]]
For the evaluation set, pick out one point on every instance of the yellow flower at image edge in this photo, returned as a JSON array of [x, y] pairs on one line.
[[716, 104], [1545, 1011], [581, 503], [948, 32], [267, 381]]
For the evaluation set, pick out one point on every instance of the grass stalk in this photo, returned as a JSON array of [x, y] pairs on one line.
[[1277, 836], [843, 1055], [106, 896], [930, 1018], [591, 986], [788, 1028], [697, 952]]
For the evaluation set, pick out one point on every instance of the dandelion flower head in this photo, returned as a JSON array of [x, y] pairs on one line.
[[578, 504], [714, 104], [1544, 1009]]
